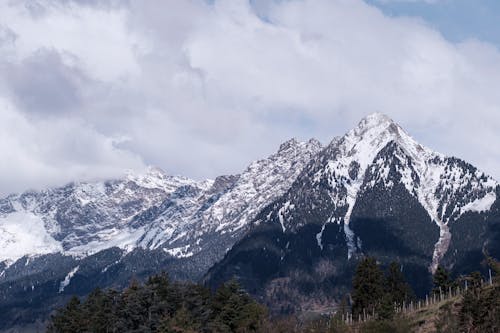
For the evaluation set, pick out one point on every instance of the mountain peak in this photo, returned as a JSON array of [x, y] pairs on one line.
[[377, 130], [314, 142], [375, 120], [293, 144]]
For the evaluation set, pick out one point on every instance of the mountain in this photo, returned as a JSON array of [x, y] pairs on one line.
[[290, 227], [375, 191], [68, 240]]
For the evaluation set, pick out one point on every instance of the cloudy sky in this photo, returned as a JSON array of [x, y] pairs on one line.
[[89, 88]]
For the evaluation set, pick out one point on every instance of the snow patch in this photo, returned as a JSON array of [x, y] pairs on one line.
[[125, 239], [179, 252], [480, 205], [67, 279], [319, 237], [23, 233]]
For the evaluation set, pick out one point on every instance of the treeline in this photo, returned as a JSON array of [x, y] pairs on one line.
[[480, 308], [160, 305], [475, 309], [378, 293]]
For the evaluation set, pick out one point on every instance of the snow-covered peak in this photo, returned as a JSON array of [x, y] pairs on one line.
[[155, 178], [289, 144], [373, 133], [376, 119], [146, 209], [152, 209], [83, 217], [446, 187], [293, 145], [189, 221], [261, 182]]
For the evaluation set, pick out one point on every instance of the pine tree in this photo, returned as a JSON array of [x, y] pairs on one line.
[[181, 322], [97, 311], [385, 309], [233, 310], [162, 306], [368, 287], [480, 311], [441, 280], [136, 302], [396, 285], [68, 319]]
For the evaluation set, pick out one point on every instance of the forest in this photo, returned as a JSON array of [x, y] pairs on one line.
[[380, 301]]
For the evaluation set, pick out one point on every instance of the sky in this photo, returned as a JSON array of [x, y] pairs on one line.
[[90, 88]]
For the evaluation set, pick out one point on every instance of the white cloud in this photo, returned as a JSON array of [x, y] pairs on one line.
[[42, 153], [203, 89]]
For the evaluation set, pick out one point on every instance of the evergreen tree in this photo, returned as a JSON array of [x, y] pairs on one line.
[[67, 319], [396, 285], [385, 309], [233, 310], [368, 287], [480, 311], [162, 306], [134, 307], [181, 322], [97, 311], [441, 280]]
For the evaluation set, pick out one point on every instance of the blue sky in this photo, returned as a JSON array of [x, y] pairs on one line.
[[457, 20]]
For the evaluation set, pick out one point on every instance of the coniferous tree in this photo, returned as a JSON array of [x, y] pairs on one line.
[[68, 319], [385, 309], [480, 310], [368, 287], [233, 310], [396, 285], [97, 311], [162, 306], [135, 306], [182, 322], [441, 280]]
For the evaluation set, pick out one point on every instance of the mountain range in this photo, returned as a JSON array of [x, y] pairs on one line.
[[290, 228]]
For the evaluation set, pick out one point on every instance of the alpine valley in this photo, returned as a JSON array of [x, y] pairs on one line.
[[291, 228]]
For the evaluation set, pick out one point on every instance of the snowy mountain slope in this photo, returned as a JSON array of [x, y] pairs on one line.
[[299, 218], [145, 210], [203, 225], [261, 183], [374, 191], [80, 218], [129, 228], [445, 186]]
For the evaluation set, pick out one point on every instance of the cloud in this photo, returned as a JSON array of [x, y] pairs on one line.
[[202, 88], [55, 151], [42, 83]]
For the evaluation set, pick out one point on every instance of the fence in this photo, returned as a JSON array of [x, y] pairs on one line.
[[412, 306]]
